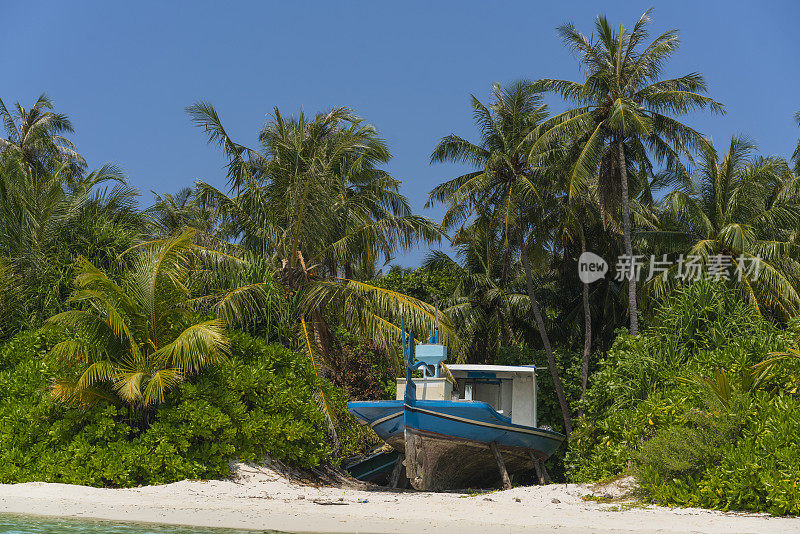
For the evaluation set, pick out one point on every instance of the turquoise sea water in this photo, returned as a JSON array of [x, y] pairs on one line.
[[17, 524]]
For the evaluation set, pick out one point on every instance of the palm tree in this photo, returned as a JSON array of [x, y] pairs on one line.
[[575, 215], [314, 202], [504, 191], [35, 136], [134, 341], [504, 176], [625, 115], [487, 315], [170, 213], [735, 211], [46, 196]]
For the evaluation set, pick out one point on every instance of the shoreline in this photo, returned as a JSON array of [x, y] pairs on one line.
[[261, 498]]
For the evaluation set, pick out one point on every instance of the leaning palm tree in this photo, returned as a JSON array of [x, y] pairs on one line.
[[313, 202], [625, 116], [738, 216], [133, 341], [506, 190]]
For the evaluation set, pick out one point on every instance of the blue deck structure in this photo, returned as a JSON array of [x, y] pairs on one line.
[[448, 442]]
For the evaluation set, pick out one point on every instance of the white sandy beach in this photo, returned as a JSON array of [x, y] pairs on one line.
[[261, 498]]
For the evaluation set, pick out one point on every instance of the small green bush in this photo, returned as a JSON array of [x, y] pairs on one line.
[[687, 449], [262, 402]]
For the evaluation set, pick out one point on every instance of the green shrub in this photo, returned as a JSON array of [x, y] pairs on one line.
[[648, 413], [687, 449], [262, 402], [759, 471]]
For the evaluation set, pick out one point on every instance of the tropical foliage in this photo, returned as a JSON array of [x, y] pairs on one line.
[[694, 405], [738, 212], [134, 341], [625, 118], [258, 402], [150, 344]]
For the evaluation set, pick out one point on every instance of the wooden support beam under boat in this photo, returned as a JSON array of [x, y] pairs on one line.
[[398, 472], [540, 470], [501, 466]]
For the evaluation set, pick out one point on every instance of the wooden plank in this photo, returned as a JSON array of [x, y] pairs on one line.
[[394, 480], [501, 466]]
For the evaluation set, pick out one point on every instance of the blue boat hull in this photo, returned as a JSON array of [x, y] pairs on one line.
[[479, 422], [451, 440], [385, 418]]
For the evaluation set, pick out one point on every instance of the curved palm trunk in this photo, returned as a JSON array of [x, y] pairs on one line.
[[551, 361], [626, 227], [587, 332], [322, 337], [322, 401]]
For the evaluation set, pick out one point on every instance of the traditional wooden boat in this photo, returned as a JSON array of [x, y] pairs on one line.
[[469, 428]]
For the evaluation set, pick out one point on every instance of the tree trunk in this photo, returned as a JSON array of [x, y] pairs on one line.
[[551, 361], [626, 227], [322, 338], [506, 258], [587, 332]]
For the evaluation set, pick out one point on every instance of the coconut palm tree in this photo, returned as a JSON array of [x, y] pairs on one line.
[[170, 213], [36, 137], [505, 190], [488, 315], [312, 201], [738, 212], [135, 340], [625, 114], [503, 176]]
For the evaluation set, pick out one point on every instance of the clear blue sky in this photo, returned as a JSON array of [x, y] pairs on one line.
[[125, 71]]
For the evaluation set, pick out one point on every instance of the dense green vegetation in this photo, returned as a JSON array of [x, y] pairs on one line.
[[696, 408], [147, 345], [260, 402]]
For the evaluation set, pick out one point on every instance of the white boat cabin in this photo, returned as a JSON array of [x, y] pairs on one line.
[[511, 390]]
